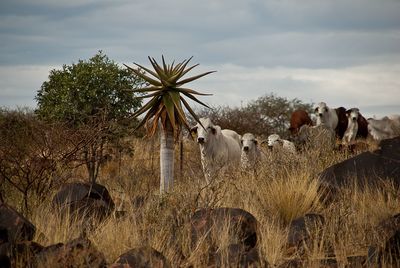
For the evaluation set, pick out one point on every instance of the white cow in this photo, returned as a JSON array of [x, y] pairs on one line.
[[233, 134], [326, 116], [385, 128], [275, 141], [251, 154], [218, 148], [352, 126]]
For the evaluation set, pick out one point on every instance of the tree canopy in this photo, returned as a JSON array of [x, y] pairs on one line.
[[83, 91]]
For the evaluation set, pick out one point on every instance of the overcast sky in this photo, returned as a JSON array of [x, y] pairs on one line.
[[343, 52]]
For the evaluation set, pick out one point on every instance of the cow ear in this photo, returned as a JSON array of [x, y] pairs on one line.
[[316, 109], [193, 130], [213, 130]]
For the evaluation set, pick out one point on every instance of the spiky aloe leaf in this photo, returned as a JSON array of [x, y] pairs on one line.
[[195, 99], [145, 77], [178, 108], [170, 108], [190, 79], [191, 91], [167, 94], [146, 107]]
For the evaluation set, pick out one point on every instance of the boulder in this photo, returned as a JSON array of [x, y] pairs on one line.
[[76, 253], [366, 169], [303, 230], [14, 227], [241, 223], [387, 247], [84, 200], [20, 254], [387, 254], [143, 257], [388, 227], [236, 256]]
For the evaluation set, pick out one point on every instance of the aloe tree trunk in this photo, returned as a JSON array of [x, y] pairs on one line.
[[166, 158]]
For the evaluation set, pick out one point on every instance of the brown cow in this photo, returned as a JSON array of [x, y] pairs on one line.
[[299, 118], [342, 122], [362, 127]]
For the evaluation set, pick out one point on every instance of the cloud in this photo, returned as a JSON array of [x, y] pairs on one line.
[[367, 87], [311, 50], [271, 33], [19, 84]]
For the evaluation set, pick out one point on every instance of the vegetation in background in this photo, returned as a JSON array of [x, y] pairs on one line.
[[264, 116], [34, 157], [93, 95]]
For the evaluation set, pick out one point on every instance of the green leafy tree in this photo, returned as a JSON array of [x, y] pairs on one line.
[[94, 96], [165, 108]]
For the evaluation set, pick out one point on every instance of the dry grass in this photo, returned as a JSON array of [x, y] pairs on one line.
[[283, 189]]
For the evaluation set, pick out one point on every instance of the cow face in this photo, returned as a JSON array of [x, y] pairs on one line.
[[352, 114], [203, 130], [248, 142], [321, 109], [273, 139]]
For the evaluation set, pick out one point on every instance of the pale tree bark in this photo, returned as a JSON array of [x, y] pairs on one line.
[[166, 158]]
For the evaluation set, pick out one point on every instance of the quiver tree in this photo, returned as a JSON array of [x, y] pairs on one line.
[[165, 108]]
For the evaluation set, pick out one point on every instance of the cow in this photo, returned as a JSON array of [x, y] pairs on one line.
[[275, 141], [335, 119], [342, 124], [299, 118], [352, 126], [251, 153], [326, 116], [218, 148], [385, 128], [233, 134], [362, 127]]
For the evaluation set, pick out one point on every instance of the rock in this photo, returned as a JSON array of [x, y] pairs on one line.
[[356, 261], [20, 254], [241, 222], [236, 256], [5, 261], [384, 247], [304, 232], [13, 226], [76, 253], [91, 201], [143, 257], [388, 227], [303, 229], [365, 169], [387, 254]]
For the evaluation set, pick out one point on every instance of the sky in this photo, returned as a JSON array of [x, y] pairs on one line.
[[345, 53]]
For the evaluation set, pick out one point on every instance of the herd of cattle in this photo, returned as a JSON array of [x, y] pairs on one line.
[[221, 147]]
